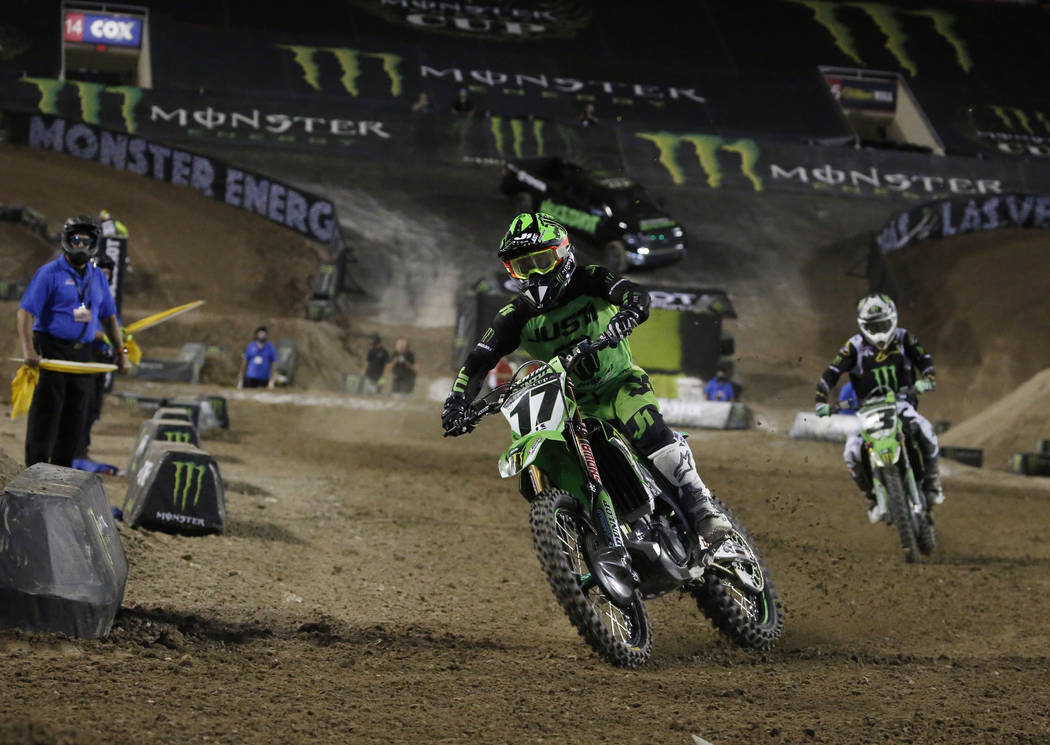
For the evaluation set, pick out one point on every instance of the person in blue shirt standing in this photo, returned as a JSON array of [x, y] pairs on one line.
[[719, 388], [257, 366], [848, 403], [65, 305]]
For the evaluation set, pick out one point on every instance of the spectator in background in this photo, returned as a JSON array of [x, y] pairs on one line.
[[719, 388], [402, 369], [110, 226], [422, 104], [462, 105], [257, 365], [66, 303], [375, 364], [848, 402], [588, 118]]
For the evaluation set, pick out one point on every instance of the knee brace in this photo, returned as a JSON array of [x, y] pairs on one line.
[[647, 430]]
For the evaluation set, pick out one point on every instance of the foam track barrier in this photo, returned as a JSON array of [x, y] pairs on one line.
[[834, 428], [177, 489], [705, 414], [167, 430], [62, 568]]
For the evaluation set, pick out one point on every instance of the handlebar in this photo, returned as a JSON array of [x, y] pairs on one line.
[[575, 355], [478, 410], [880, 391]]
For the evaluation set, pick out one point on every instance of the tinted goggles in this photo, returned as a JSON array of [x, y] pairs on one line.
[[878, 327], [81, 240], [537, 262]]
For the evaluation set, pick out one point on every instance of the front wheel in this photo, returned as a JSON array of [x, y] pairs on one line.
[[738, 596], [899, 507], [620, 635]]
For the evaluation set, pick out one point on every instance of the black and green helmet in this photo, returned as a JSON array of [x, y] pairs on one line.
[[536, 251], [80, 239]]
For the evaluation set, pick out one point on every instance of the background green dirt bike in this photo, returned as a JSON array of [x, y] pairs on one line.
[[897, 470]]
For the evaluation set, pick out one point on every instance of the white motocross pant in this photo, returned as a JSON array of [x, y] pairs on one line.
[[853, 452]]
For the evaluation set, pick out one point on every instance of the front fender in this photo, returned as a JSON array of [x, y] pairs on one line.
[[525, 451]]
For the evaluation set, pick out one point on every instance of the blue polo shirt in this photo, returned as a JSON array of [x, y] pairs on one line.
[[57, 289], [717, 390], [260, 358]]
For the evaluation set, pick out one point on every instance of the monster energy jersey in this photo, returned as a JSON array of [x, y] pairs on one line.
[[869, 367], [591, 299]]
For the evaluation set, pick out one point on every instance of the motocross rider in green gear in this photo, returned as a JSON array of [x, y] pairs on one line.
[[559, 305]]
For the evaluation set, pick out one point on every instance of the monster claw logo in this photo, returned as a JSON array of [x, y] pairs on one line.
[[90, 95], [517, 131], [886, 376], [886, 18], [349, 61], [706, 148], [189, 477], [172, 436]]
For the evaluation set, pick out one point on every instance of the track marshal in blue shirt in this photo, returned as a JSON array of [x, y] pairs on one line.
[[66, 303]]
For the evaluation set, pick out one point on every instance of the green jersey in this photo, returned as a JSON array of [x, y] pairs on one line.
[[590, 300]]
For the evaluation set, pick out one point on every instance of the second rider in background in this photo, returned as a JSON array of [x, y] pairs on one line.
[[883, 354]]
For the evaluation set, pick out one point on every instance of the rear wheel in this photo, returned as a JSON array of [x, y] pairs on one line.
[[899, 507], [738, 596], [620, 635]]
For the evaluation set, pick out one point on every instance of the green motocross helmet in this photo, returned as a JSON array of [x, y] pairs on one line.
[[536, 251]]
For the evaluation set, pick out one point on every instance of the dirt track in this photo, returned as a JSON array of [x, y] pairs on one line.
[[377, 584]]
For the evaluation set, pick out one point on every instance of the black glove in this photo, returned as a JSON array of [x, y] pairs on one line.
[[621, 325], [452, 415]]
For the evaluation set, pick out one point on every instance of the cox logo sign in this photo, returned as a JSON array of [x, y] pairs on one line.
[[91, 28]]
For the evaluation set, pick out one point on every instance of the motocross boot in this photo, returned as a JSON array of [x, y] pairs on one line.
[[864, 483], [931, 482], [675, 462]]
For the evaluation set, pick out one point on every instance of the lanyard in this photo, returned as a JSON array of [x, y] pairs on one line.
[[82, 292]]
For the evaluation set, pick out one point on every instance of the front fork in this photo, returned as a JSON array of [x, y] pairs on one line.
[[909, 474], [602, 511]]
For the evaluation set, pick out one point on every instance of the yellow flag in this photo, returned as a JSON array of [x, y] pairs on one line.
[[22, 388], [164, 315], [134, 351]]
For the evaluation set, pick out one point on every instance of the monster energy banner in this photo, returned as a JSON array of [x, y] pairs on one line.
[[298, 210], [957, 216], [721, 65], [713, 161], [178, 489]]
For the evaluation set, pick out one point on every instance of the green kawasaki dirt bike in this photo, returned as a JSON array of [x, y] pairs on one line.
[[591, 494], [896, 464]]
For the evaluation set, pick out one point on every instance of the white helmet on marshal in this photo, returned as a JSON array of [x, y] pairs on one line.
[[877, 318]]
